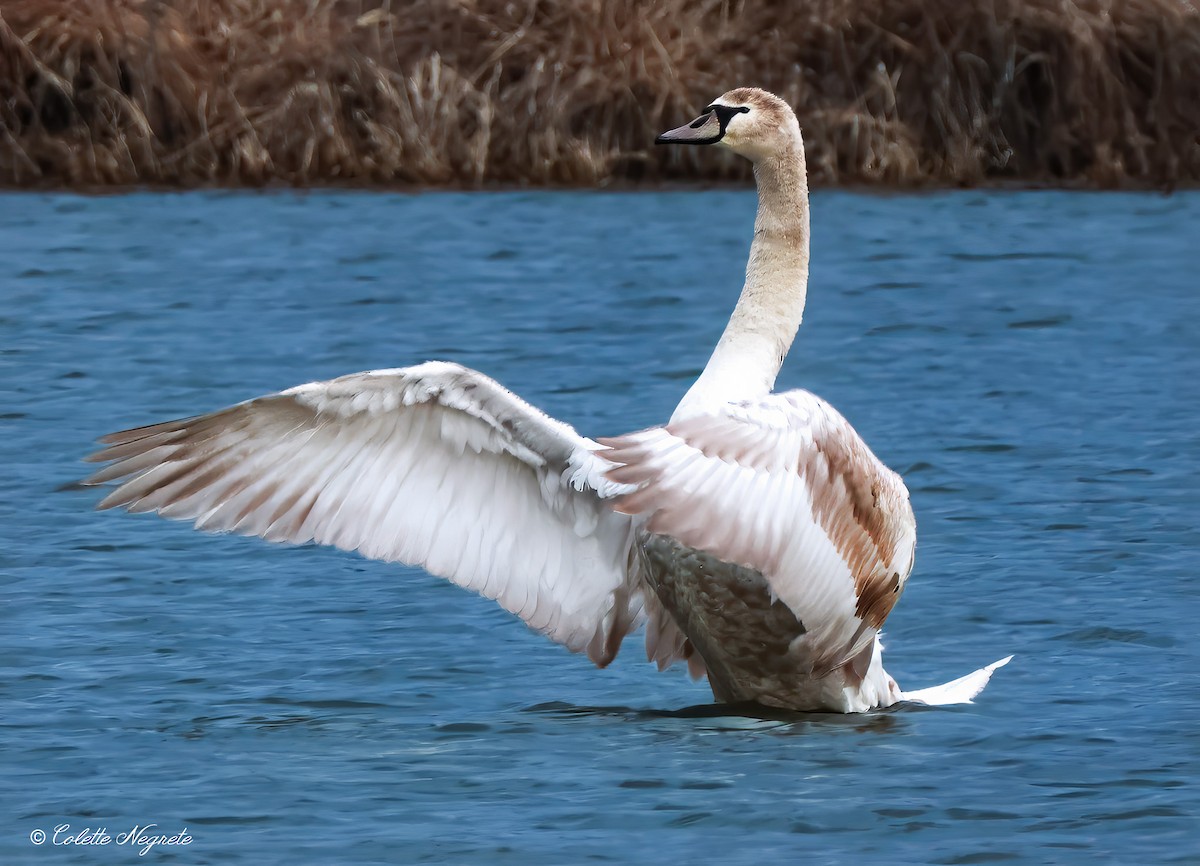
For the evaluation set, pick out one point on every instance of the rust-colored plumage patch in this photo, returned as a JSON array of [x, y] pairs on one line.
[[856, 503]]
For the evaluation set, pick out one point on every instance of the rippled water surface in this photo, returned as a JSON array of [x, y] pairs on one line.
[[1028, 361]]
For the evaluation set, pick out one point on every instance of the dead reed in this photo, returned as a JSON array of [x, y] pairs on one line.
[[572, 92]]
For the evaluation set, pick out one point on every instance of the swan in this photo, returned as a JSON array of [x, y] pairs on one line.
[[755, 535]]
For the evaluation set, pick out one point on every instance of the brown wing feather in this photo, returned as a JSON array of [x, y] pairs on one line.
[[859, 508]]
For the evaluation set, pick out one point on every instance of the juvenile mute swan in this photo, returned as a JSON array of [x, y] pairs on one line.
[[755, 535]]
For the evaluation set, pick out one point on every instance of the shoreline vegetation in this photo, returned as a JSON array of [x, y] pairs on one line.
[[107, 94]]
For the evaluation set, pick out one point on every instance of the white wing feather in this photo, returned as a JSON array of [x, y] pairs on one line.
[[434, 465]]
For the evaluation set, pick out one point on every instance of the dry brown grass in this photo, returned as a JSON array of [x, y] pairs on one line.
[[467, 92]]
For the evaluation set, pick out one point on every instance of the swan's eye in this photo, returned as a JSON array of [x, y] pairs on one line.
[[724, 113]]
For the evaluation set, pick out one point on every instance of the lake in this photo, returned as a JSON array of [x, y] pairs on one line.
[[1027, 360]]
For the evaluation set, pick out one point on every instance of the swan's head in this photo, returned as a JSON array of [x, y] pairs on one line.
[[750, 122]]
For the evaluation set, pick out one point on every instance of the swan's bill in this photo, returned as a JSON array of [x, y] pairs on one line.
[[708, 128]]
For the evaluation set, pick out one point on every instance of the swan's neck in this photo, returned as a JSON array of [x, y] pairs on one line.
[[768, 313]]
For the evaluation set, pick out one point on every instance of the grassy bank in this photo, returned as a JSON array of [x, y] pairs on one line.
[[470, 92]]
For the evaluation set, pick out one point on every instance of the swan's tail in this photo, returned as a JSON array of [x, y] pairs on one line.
[[959, 691]]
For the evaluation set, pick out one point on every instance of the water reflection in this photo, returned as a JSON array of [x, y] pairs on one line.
[[741, 716]]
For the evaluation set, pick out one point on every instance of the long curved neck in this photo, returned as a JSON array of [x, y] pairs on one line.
[[750, 352]]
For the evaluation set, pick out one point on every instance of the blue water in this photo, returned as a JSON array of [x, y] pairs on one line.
[[1028, 361]]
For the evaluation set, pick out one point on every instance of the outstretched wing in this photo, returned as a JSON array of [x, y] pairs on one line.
[[785, 486], [434, 465]]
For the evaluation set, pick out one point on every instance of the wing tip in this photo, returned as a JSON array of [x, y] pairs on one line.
[[132, 434], [996, 665], [960, 691]]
